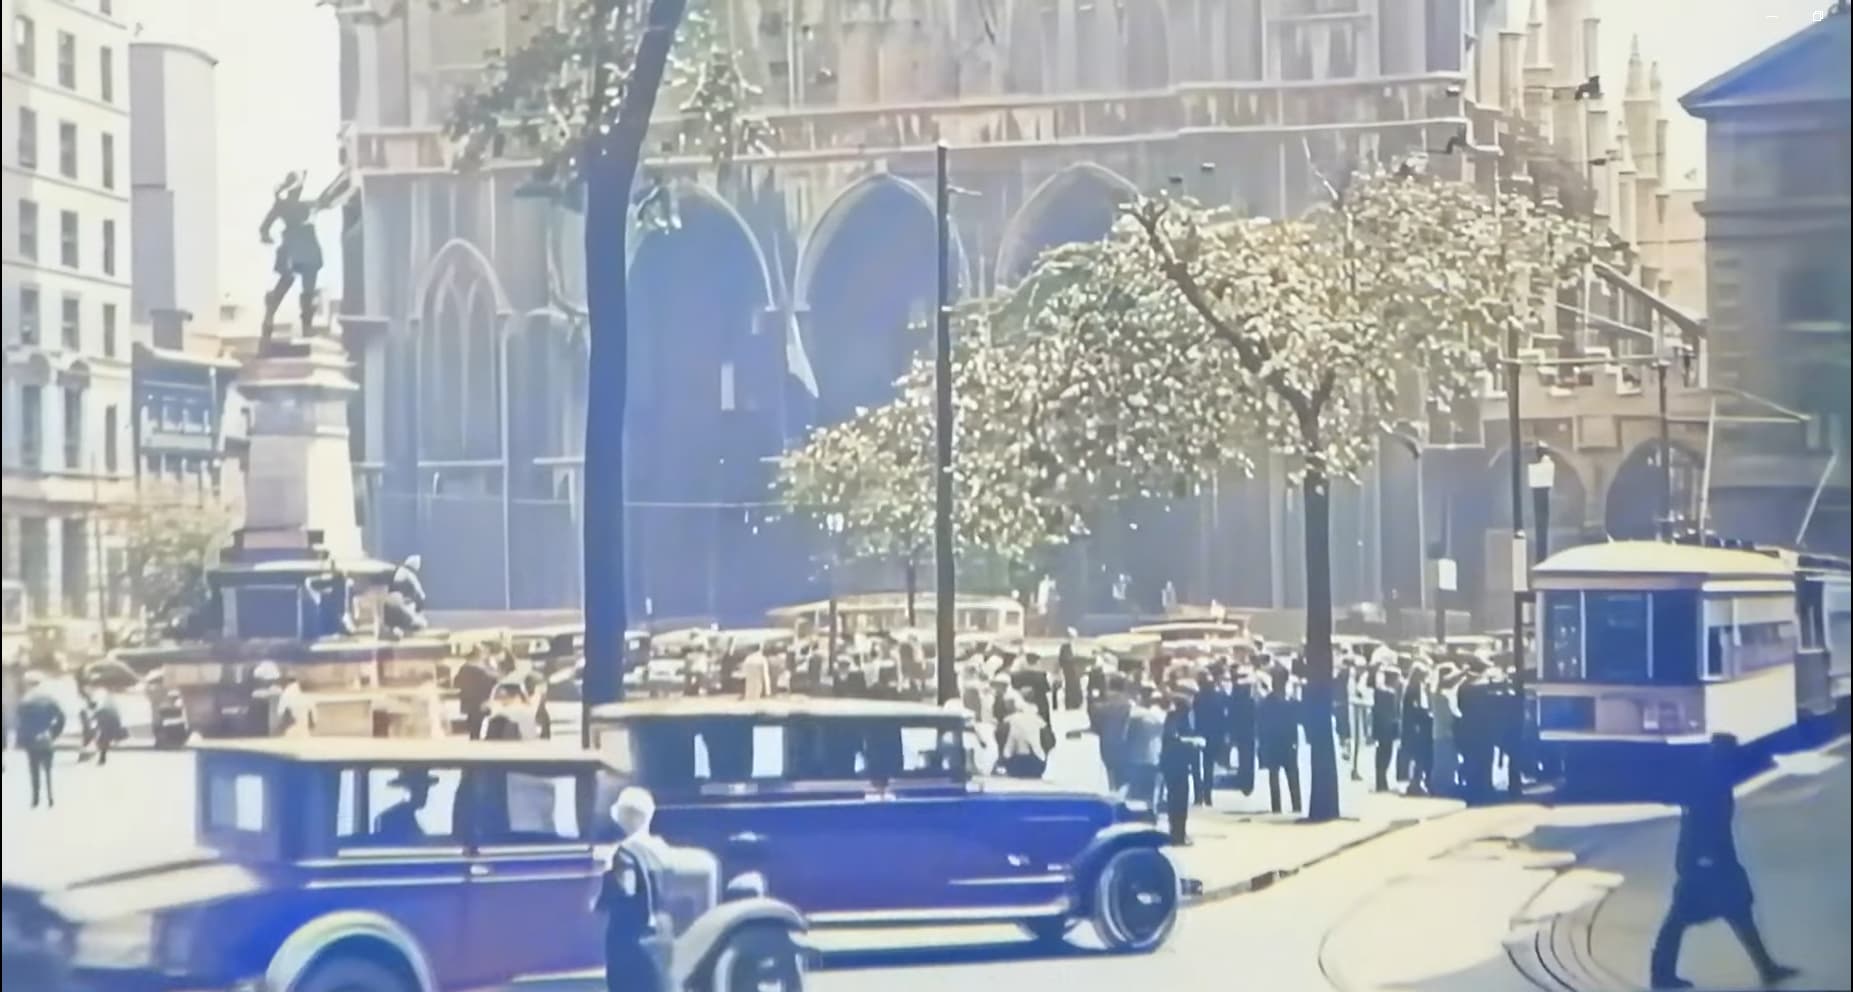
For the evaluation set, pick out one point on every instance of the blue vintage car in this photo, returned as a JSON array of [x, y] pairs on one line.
[[363, 865], [867, 813]]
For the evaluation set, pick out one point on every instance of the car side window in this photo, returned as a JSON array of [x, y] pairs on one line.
[[520, 807], [397, 806]]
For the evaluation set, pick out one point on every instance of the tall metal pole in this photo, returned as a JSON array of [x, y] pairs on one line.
[[1515, 785], [1665, 530], [945, 615]]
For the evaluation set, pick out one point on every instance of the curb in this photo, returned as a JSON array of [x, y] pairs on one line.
[[1263, 880]]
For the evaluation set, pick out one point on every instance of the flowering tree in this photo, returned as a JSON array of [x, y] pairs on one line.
[[1064, 398], [1328, 318], [576, 97]]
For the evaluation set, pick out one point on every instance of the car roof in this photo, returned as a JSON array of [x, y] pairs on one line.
[[404, 750], [776, 707]]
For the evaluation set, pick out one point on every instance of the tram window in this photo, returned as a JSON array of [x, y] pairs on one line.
[[1563, 644], [1676, 637], [1616, 645], [1715, 648]]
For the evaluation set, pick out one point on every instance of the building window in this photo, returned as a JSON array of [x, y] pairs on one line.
[[109, 330], [26, 152], [106, 73], [73, 429], [28, 315], [67, 238], [111, 424], [70, 323], [76, 554], [67, 60], [31, 425], [67, 149], [28, 230], [109, 247], [25, 46], [34, 562], [109, 161]]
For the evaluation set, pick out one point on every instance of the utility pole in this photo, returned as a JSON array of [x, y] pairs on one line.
[[945, 593], [1665, 530]]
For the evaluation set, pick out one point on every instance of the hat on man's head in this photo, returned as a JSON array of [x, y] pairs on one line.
[[414, 778]]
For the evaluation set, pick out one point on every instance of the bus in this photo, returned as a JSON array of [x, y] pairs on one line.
[[1647, 649]]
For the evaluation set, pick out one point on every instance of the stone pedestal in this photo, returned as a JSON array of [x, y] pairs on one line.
[[296, 567]]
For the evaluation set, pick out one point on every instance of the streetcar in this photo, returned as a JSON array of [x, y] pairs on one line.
[[1648, 649]]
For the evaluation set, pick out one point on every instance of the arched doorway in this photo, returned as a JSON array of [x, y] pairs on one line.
[[1632, 509], [458, 330], [1077, 204], [867, 284], [701, 421]]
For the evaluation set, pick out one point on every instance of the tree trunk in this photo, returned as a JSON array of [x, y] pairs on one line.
[[1322, 798], [608, 174]]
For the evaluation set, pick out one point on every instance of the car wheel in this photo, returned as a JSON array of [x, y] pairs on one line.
[[758, 959], [1135, 900], [348, 974]]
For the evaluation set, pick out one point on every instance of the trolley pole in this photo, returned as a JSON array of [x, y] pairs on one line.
[[1665, 530], [945, 576]]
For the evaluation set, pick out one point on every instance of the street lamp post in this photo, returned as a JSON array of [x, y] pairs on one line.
[[834, 524], [1541, 474], [942, 436]]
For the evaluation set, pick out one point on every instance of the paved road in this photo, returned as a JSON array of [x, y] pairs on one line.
[[1443, 926]]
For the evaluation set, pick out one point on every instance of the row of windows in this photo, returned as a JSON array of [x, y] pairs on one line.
[[26, 57], [32, 431], [26, 151], [78, 560], [70, 241], [30, 316], [1637, 637]]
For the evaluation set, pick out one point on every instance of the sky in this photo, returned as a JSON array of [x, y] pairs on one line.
[[278, 96]]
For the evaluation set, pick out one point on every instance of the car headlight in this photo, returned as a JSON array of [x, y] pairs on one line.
[[115, 942]]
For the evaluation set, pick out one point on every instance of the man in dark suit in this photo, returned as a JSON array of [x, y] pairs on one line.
[[1710, 881], [1177, 761], [1109, 723], [1212, 713]]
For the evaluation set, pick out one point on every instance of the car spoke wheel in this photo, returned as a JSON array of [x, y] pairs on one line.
[[1136, 900], [758, 959]]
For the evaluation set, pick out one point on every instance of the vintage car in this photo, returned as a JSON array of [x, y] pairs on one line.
[[393, 865], [868, 813]]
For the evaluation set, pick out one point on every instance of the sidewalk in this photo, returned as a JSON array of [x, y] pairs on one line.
[[1238, 845]]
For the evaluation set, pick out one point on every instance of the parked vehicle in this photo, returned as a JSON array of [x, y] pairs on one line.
[[389, 865], [868, 813]]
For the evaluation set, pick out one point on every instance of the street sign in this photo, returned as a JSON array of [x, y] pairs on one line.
[[1445, 576]]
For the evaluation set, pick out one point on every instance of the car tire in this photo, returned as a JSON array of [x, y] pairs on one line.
[[757, 959], [1135, 900], [350, 974]]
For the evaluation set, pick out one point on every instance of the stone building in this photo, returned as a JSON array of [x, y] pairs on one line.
[[814, 262], [1776, 214], [65, 277]]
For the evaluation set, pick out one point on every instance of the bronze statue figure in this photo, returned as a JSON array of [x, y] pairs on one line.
[[299, 255]]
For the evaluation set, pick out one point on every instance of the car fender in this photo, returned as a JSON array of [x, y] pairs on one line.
[[298, 952], [697, 945], [1108, 841]]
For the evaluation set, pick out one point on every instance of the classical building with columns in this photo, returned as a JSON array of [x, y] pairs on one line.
[[814, 261]]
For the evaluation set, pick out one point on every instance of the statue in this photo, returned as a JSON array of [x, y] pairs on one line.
[[299, 255]]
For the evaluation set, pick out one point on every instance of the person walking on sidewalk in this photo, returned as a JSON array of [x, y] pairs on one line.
[[1418, 730], [1212, 714], [1280, 742], [38, 724], [1144, 744], [1386, 717], [1109, 724], [1710, 881], [1178, 762], [1358, 694]]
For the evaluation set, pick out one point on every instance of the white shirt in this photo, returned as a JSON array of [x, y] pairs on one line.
[[757, 675]]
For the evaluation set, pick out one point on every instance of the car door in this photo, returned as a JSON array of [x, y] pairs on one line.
[[399, 850], [533, 871]]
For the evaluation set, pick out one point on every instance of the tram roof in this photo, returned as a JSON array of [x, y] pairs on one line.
[[1649, 558]]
